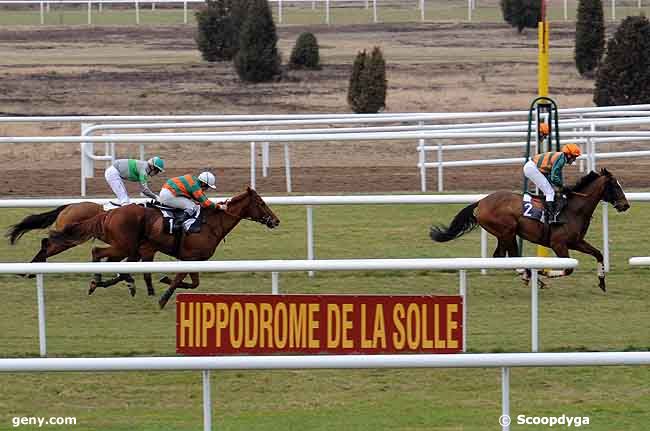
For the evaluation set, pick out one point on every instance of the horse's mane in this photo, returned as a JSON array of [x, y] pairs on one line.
[[585, 181]]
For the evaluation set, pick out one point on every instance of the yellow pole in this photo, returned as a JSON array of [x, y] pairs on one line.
[[542, 80]]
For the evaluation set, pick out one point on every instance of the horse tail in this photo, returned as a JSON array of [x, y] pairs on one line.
[[78, 233], [465, 221], [31, 222]]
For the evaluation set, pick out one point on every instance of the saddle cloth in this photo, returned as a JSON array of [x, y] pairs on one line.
[[173, 218], [533, 207]]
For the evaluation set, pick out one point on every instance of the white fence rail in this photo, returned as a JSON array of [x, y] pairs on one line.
[[311, 201], [277, 266], [505, 361]]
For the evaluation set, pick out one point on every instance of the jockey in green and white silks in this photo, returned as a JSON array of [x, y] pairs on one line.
[[136, 171]]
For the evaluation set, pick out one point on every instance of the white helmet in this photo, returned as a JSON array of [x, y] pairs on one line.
[[208, 179]]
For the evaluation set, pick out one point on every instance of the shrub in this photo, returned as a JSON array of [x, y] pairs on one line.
[[624, 75], [522, 13], [216, 35], [258, 59], [367, 89], [305, 53], [590, 36]]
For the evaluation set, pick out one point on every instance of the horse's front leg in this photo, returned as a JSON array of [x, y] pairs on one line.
[[584, 247]]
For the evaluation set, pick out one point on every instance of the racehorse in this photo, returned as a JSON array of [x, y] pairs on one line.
[[60, 218], [136, 233], [501, 214]]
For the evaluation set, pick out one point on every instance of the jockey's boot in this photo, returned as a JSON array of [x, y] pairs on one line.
[[192, 223], [552, 209]]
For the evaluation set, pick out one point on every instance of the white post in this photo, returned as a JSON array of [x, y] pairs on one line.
[[82, 150], [42, 13], [606, 236], [207, 401], [534, 276], [374, 11], [613, 10], [100, 7], [441, 185], [593, 149], [484, 247], [90, 12], [141, 151], [421, 10], [265, 159], [153, 6], [310, 235], [463, 292], [275, 283], [366, 4], [287, 167], [639, 4], [469, 10], [112, 153], [566, 10], [327, 12], [505, 399], [423, 170], [280, 11], [252, 164], [185, 12], [40, 297], [137, 12]]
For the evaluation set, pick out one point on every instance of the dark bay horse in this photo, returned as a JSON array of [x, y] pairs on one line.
[[135, 233], [501, 215]]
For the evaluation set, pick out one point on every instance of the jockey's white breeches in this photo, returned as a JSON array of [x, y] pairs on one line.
[[168, 198], [114, 180], [532, 173]]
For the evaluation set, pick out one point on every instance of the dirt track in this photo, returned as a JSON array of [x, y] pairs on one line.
[[441, 67]]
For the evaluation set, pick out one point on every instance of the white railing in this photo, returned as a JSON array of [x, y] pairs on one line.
[[44, 6], [505, 361], [311, 201], [574, 125], [640, 261], [277, 266]]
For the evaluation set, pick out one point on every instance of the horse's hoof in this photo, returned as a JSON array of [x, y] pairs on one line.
[[162, 302], [601, 284], [31, 275], [165, 280], [132, 289], [151, 292], [93, 286]]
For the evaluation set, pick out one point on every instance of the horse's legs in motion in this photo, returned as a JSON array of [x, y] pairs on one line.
[[584, 247], [49, 249], [112, 255], [178, 282], [147, 254], [500, 251]]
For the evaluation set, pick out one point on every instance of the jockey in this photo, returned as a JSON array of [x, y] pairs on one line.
[[545, 170], [133, 170], [183, 192]]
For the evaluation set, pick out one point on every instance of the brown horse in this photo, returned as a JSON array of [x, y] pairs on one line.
[[135, 233], [60, 218], [501, 214]]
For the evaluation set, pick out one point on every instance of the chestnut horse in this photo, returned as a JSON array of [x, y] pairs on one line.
[[135, 233], [501, 215]]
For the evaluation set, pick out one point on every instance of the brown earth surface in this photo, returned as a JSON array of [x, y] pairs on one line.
[[431, 67]]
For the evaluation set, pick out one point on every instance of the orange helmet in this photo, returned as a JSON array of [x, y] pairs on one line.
[[571, 150], [544, 129]]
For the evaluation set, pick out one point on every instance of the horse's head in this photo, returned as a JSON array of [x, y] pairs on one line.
[[250, 205], [613, 192]]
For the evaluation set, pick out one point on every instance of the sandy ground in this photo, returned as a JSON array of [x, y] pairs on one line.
[[432, 67]]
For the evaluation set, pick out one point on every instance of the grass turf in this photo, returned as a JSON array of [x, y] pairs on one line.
[[574, 314]]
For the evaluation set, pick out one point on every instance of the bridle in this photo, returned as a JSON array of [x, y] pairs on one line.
[[265, 220]]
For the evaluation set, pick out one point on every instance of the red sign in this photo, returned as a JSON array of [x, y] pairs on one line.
[[215, 324]]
